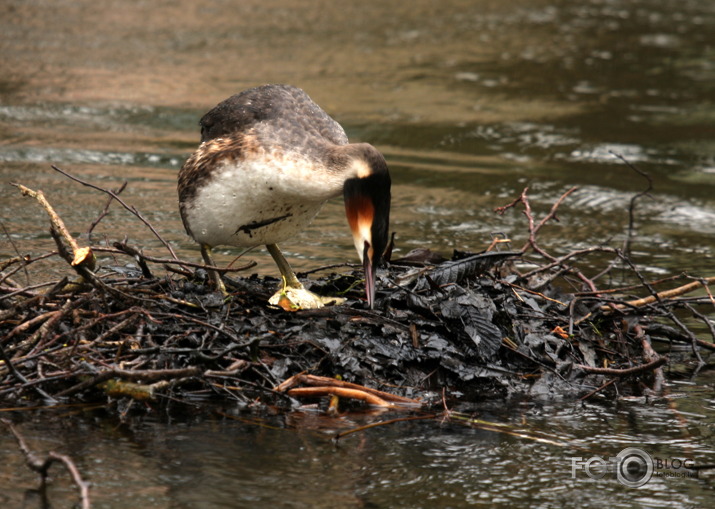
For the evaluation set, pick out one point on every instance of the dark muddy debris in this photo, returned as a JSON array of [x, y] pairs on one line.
[[473, 327]]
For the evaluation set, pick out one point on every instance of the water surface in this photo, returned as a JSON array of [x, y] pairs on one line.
[[471, 102], [293, 461]]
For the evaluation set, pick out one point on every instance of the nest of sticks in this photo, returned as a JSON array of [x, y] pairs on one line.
[[126, 327]]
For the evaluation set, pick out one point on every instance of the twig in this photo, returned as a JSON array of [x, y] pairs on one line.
[[560, 262], [120, 250], [138, 256], [551, 215], [632, 205], [23, 259], [42, 465], [27, 324], [623, 289], [131, 209], [623, 372], [597, 390], [21, 378], [708, 323], [342, 434], [650, 355], [133, 311], [37, 339], [325, 267], [534, 229], [665, 294], [333, 382], [104, 212], [146, 375], [312, 392], [667, 312], [534, 292], [26, 260]]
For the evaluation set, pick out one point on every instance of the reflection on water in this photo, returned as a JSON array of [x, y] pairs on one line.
[[471, 102], [292, 461]]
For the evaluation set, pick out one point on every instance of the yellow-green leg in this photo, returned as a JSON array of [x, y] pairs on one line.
[[215, 276], [292, 296], [289, 276]]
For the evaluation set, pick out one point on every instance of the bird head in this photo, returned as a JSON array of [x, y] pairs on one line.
[[367, 206]]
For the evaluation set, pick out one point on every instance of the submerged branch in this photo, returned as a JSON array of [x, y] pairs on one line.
[[42, 465], [626, 371]]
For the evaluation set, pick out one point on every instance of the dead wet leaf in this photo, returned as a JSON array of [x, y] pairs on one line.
[[457, 270], [472, 314]]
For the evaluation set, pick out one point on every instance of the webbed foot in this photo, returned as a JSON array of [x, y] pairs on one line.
[[292, 298]]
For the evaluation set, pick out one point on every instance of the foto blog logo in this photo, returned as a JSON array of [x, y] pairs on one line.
[[632, 467]]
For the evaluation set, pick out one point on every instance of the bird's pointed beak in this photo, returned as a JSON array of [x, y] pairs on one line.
[[360, 211], [369, 267]]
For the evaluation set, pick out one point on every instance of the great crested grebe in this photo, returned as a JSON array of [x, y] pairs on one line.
[[269, 159]]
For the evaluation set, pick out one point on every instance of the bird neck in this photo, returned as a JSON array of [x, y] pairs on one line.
[[367, 198], [357, 160]]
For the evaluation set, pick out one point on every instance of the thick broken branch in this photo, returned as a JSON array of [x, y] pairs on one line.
[[82, 256], [323, 381], [664, 295]]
